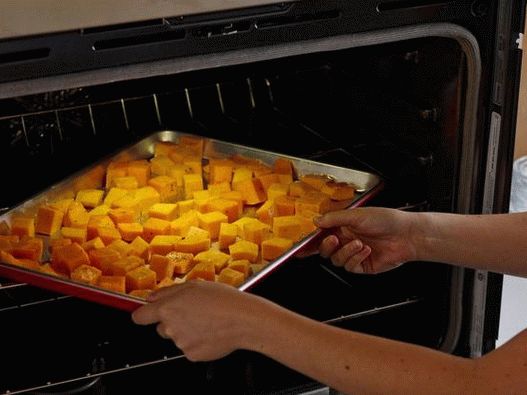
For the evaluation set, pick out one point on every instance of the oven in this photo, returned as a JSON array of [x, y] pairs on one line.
[[421, 93]]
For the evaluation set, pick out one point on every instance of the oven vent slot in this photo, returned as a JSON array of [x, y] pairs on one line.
[[279, 21], [141, 39], [409, 4], [223, 30], [124, 26], [21, 56]]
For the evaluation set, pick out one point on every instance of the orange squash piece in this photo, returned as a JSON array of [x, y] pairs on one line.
[[163, 266], [141, 277], [183, 262], [125, 265], [66, 259], [155, 226], [113, 283], [231, 277], [203, 271], [241, 265], [49, 220], [86, 274], [102, 258], [23, 226], [129, 231], [251, 190], [244, 249], [29, 249], [273, 248]]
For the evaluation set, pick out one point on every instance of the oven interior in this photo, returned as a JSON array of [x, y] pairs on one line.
[[392, 109]]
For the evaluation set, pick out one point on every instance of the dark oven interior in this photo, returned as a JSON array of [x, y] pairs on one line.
[[394, 109]]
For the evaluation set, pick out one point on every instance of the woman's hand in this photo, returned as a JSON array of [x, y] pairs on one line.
[[367, 240], [205, 320]]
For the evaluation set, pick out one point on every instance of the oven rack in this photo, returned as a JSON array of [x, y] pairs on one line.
[[90, 376]]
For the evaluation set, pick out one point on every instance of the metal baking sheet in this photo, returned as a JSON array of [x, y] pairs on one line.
[[367, 186]]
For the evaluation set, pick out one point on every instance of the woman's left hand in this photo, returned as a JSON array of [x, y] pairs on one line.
[[206, 320]]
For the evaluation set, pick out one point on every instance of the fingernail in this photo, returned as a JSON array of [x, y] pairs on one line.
[[357, 244], [316, 220]]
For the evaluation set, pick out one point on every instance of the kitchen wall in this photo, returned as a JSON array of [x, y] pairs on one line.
[[514, 298]]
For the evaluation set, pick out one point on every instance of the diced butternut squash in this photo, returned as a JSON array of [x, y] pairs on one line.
[[124, 265], [161, 165], [102, 258], [265, 212], [166, 187], [113, 195], [92, 244], [220, 170], [100, 210], [300, 188], [241, 265], [256, 232], [338, 190], [23, 226], [62, 204], [217, 258], [192, 183], [183, 262], [268, 179], [154, 227], [219, 188], [57, 243], [185, 206], [129, 231], [31, 248], [139, 247], [317, 181], [228, 207], [126, 182], [192, 245], [275, 190], [227, 236], [284, 205], [141, 277], [76, 235], [122, 215], [163, 266], [241, 225], [66, 259], [316, 202], [90, 198], [140, 293], [113, 283], [288, 227], [203, 271], [274, 247], [181, 225], [251, 190], [166, 211], [97, 221], [211, 222], [166, 282], [108, 235], [163, 244], [86, 274], [242, 174], [122, 247], [244, 249], [231, 277], [49, 220], [140, 170]]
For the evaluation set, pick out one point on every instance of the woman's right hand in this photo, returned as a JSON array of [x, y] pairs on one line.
[[368, 240]]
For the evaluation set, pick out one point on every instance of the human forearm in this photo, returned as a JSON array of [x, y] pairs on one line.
[[351, 362], [488, 242]]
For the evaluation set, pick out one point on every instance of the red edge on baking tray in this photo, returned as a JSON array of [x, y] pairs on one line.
[[67, 287]]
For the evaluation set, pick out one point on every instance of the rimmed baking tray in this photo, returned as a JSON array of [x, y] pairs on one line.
[[367, 185]]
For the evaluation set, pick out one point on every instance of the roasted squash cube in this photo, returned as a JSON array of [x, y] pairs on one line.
[[97, 221], [139, 247], [124, 265], [122, 247], [211, 222], [90, 198], [140, 170], [49, 220], [92, 244], [102, 258], [265, 212], [244, 249], [284, 205], [228, 235], [183, 262], [241, 265], [163, 244], [251, 190], [129, 231], [191, 183], [122, 215], [276, 190], [220, 170], [23, 226], [192, 245], [203, 271], [231, 277], [76, 235], [66, 259], [181, 225], [274, 247], [217, 258], [154, 227], [256, 232], [108, 235], [141, 277], [338, 190], [288, 227], [86, 274], [113, 283], [166, 211], [163, 266], [30, 248]]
